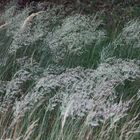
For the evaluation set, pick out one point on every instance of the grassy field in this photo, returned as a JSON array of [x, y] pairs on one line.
[[70, 74]]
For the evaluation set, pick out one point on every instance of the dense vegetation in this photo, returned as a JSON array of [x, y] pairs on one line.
[[70, 70]]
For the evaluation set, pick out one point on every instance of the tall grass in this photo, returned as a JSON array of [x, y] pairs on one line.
[[63, 78]]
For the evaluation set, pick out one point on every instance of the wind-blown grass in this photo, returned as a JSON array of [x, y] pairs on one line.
[[61, 80]]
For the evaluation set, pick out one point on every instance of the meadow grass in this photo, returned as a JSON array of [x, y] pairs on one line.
[[65, 78]]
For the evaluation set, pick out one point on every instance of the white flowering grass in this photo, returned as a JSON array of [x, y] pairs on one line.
[[126, 44], [83, 92], [131, 33], [60, 81], [75, 36]]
